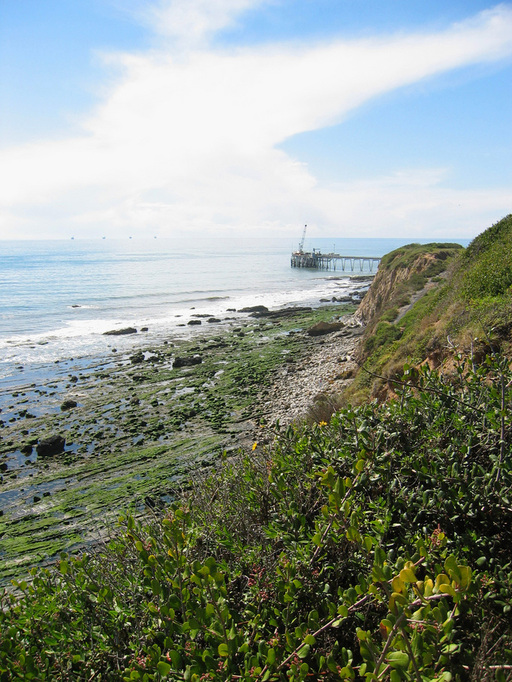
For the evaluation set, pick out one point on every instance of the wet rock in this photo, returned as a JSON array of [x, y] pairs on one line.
[[120, 332], [68, 404], [187, 361], [211, 320], [137, 358], [193, 322], [253, 309], [52, 445], [325, 328], [282, 312], [26, 449]]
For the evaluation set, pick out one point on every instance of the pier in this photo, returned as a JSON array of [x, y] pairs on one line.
[[333, 261]]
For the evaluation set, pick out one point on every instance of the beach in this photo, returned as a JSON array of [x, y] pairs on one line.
[[138, 424]]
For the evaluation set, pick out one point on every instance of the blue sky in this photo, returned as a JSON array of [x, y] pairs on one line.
[[253, 117]]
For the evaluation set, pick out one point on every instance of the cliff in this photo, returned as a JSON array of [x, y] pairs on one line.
[[430, 301]]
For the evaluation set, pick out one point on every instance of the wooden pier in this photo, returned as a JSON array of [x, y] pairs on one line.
[[333, 261]]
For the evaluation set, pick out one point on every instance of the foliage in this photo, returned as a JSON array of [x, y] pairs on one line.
[[487, 263], [406, 255], [469, 307], [384, 334], [375, 547]]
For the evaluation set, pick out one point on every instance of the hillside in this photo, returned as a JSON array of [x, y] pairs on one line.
[[374, 546], [428, 302]]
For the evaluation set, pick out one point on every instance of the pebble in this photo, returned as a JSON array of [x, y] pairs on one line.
[[318, 373]]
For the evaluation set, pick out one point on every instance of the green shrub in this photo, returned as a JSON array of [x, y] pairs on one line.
[[384, 334], [487, 263], [378, 546]]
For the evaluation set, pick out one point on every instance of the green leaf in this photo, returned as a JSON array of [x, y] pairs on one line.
[[223, 649], [175, 659], [163, 668], [398, 659], [303, 652], [407, 575]]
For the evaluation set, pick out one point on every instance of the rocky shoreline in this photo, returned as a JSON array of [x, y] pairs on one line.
[[130, 430], [325, 370]]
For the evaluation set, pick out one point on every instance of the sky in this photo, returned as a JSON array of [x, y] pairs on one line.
[[252, 118]]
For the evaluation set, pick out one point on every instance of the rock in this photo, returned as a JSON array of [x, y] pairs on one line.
[[144, 329], [137, 358], [120, 332], [187, 361], [194, 322], [325, 328], [282, 312], [26, 449], [254, 309], [211, 320], [52, 445], [68, 404]]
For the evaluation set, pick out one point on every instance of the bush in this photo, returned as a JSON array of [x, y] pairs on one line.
[[376, 546]]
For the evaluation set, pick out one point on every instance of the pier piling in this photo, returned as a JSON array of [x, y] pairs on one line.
[[332, 261]]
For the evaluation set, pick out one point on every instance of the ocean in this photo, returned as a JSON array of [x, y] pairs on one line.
[[57, 298]]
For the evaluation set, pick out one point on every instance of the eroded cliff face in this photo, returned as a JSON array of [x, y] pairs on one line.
[[396, 286]]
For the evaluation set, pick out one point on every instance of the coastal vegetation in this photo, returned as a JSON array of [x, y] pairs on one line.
[[373, 544], [429, 301]]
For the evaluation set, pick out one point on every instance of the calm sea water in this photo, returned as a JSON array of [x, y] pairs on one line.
[[58, 297]]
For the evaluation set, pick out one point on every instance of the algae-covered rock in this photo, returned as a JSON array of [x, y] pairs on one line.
[[120, 332], [52, 445], [187, 361], [68, 404]]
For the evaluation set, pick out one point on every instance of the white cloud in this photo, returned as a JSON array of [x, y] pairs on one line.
[[193, 21], [190, 139]]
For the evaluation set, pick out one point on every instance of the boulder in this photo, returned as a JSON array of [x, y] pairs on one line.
[[68, 404], [282, 312], [254, 309], [325, 328], [52, 445], [120, 332], [187, 361]]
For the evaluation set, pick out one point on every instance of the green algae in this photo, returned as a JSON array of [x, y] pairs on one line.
[[140, 431]]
